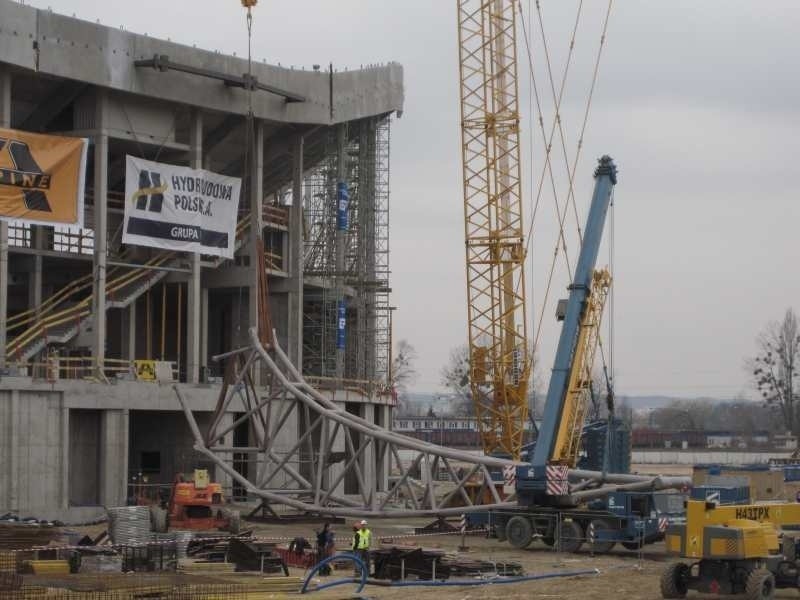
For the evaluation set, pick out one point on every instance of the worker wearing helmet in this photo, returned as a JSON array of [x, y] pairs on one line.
[[364, 542]]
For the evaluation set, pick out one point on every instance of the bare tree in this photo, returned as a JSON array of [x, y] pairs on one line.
[[775, 368], [601, 396], [688, 415], [455, 377], [404, 373]]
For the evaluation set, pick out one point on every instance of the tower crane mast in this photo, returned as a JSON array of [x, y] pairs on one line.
[[499, 356]]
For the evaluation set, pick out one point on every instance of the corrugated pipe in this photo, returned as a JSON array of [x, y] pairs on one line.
[[344, 555]]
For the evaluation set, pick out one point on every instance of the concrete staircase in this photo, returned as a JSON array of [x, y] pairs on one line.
[[62, 316], [60, 320]]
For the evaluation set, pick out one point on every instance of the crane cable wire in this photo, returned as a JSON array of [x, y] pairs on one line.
[[249, 137], [557, 99], [609, 379], [590, 97], [547, 166], [608, 373], [547, 141]]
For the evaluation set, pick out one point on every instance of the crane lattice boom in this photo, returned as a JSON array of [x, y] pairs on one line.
[[500, 361], [576, 403]]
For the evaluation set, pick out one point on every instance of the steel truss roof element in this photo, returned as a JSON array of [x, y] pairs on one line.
[[307, 472], [308, 475]]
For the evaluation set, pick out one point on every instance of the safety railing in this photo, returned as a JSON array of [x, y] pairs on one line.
[[44, 318], [79, 311], [19, 235], [73, 240], [56, 367], [275, 215], [360, 386], [47, 306]]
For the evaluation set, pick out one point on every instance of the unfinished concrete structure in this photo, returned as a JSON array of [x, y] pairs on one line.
[[77, 307]]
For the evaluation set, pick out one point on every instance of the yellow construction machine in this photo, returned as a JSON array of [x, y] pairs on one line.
[[733, 549]]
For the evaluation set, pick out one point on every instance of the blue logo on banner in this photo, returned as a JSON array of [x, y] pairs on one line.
[[343, 199], [340, 325]]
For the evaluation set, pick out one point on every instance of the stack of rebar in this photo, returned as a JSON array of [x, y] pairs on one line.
[[182, 540], [129, 525]]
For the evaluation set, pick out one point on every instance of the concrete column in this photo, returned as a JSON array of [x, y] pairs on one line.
[[64, 454], [13, 453], [5, 121], [193, 296], [204, 328], [256, 226], [341, 240], [35, 287], [132, 331], [114, 457], [100, 234], [295, 331]]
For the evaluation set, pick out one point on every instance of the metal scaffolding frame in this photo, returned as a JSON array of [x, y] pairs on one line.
[[366, 256], [381, 308]]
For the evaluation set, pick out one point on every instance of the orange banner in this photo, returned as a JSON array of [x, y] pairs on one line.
[[42, 177]]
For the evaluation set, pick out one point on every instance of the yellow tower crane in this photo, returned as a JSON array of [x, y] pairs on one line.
[[499, 356]]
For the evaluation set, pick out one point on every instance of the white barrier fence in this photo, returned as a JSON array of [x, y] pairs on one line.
[[692, 457]]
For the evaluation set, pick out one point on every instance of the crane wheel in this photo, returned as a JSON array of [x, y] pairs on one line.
[[760, 585], [675, 581], [519, 532], [601, 546], [570, 536]]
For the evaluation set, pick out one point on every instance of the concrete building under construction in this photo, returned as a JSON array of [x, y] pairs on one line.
[[81, 313]]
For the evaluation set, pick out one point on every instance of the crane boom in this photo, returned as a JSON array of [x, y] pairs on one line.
[[567, 445], [499, 356], [565, 406]]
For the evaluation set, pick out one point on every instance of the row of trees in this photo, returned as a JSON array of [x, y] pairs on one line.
[[774, 369]]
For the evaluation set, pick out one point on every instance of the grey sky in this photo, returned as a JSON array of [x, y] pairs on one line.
[[698, 102]]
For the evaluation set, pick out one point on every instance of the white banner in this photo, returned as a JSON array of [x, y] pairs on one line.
[[178, 208]]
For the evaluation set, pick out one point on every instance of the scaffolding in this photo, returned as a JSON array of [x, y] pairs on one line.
[[366, 265]]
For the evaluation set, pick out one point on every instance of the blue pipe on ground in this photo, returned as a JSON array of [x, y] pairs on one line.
[[466, 582], [343, 556]]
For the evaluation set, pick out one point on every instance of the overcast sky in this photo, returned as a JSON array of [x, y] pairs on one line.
[[698, 103]]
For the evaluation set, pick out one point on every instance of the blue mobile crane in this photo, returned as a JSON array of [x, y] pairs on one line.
[[556, 503]]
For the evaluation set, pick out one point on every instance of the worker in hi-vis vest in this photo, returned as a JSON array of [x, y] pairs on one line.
[[364, 541]]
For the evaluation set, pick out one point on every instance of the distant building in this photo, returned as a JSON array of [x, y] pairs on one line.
[[451, 431], [683, 439]]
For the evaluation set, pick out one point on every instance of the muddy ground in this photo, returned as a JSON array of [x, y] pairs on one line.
[[622, 574]]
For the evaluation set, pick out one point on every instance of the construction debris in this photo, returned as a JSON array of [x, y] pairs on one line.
[[26, 534], [191, 565], [250, 555], [400, 563]]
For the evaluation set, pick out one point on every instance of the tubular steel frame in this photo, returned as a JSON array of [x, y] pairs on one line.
[[280, 478], [308, 477], [500, 362]]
